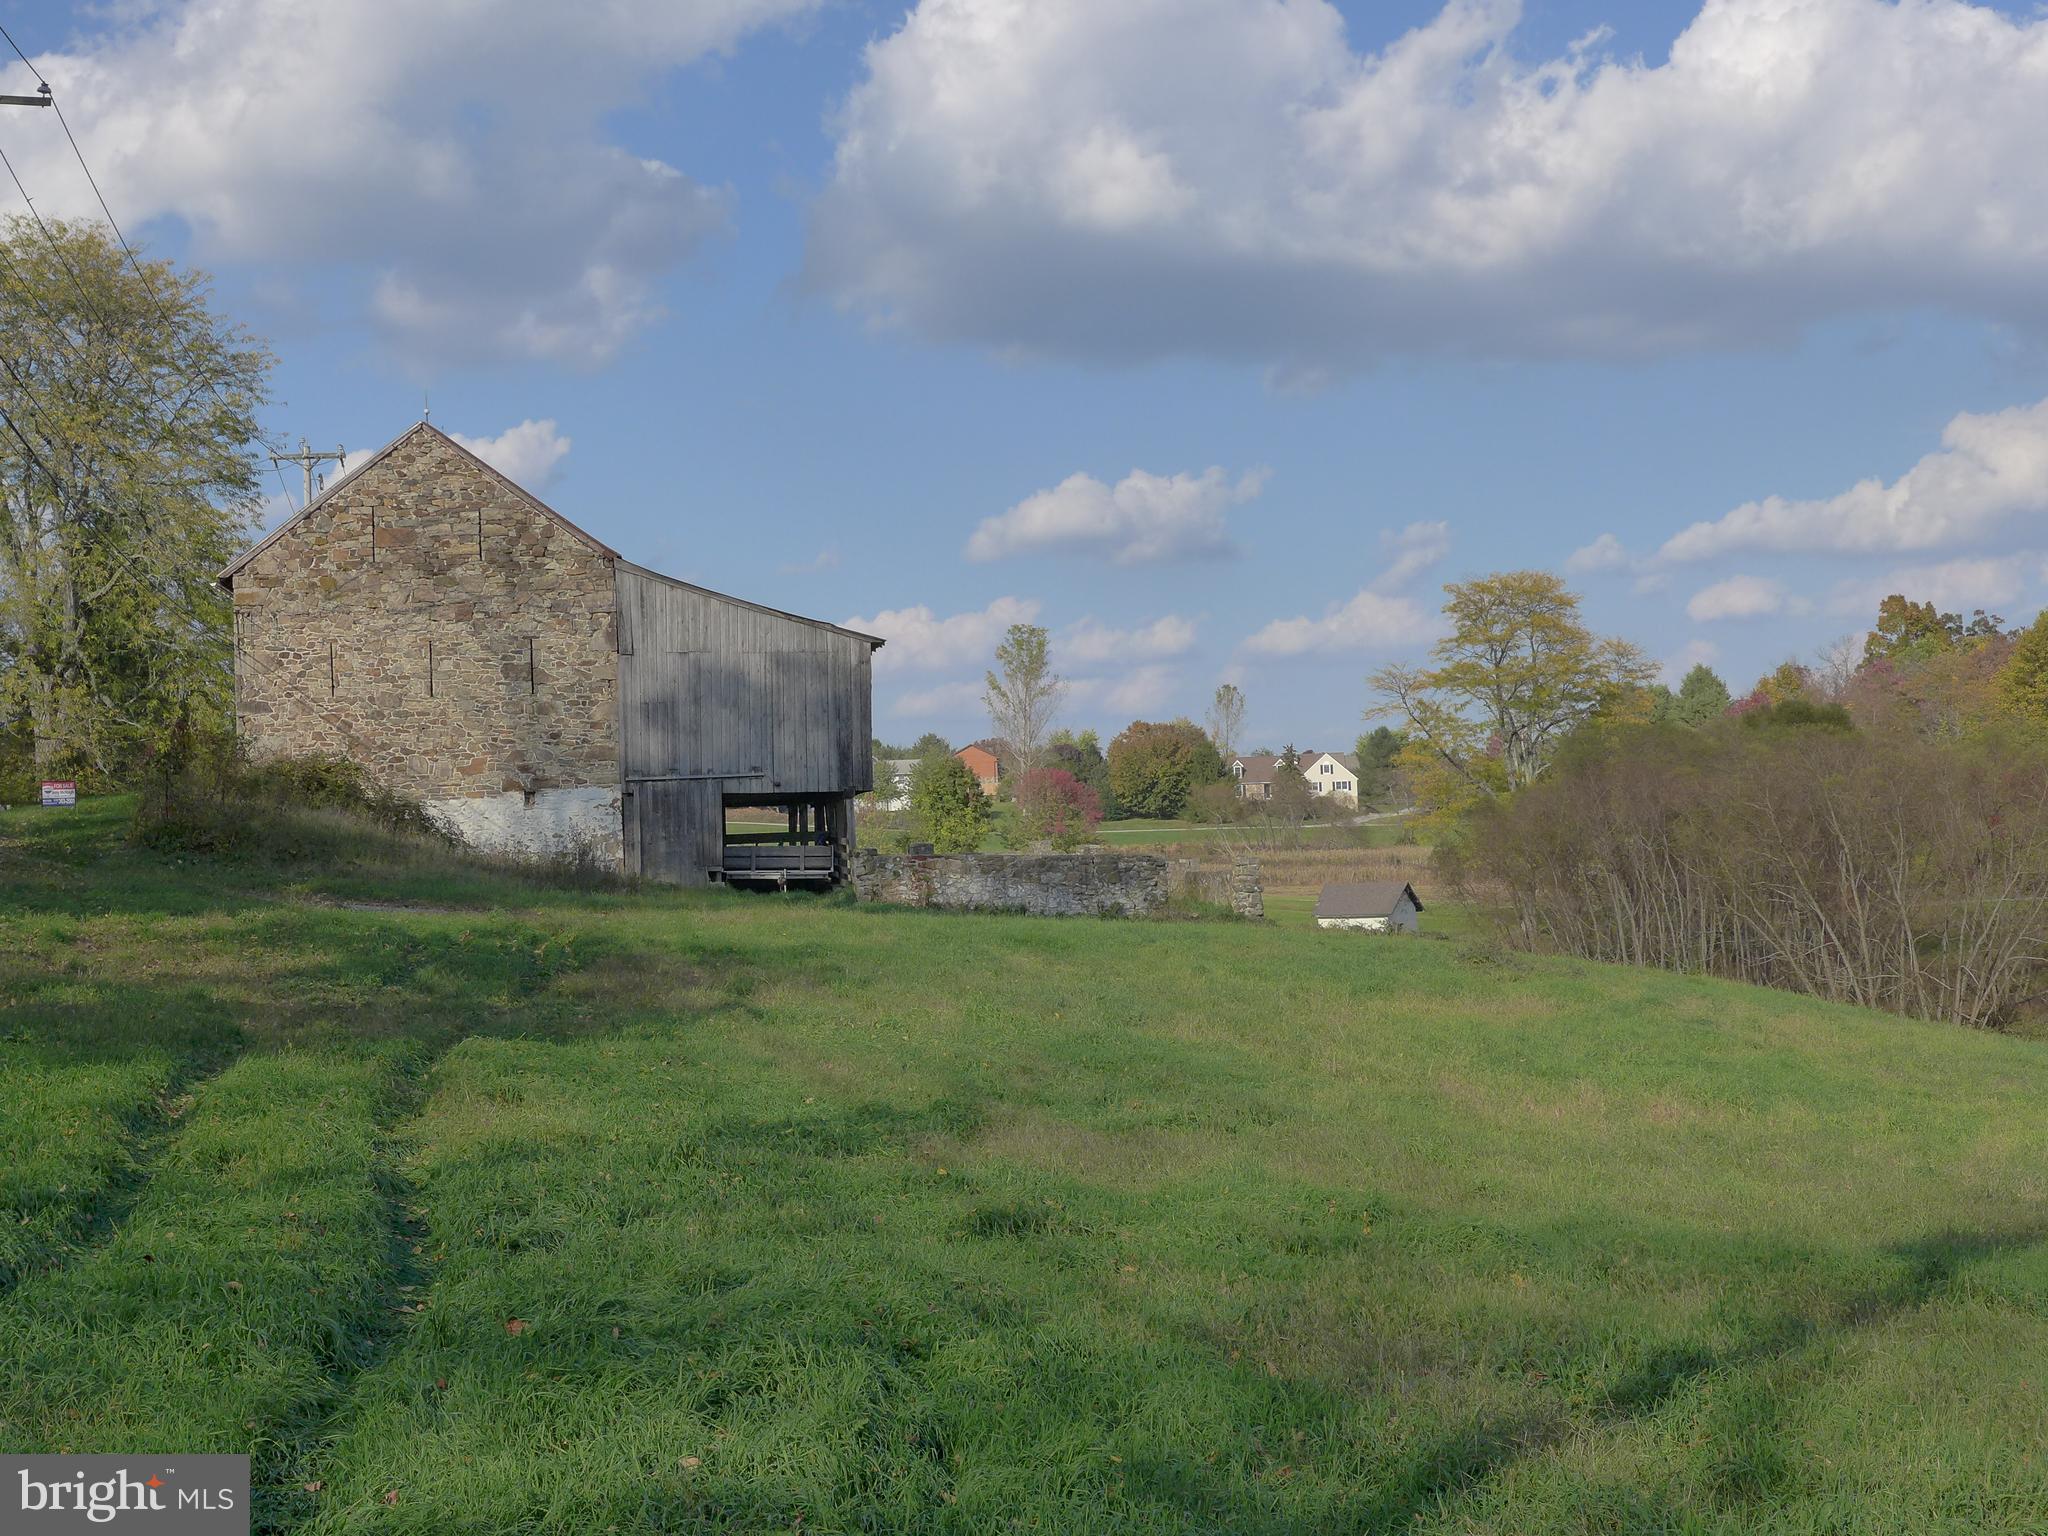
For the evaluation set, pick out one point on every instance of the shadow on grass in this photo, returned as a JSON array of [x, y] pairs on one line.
[[1748, 1421]]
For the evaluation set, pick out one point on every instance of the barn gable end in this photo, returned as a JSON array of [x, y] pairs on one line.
[[430, 620]]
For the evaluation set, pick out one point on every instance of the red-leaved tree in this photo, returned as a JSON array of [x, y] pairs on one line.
[[1055, 806]]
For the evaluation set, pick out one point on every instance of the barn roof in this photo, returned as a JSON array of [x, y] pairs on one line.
[[1365, 898], [428, 429]]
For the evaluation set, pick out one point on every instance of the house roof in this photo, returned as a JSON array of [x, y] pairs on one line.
[[428, 429], [1259, 767], [1365, 898]]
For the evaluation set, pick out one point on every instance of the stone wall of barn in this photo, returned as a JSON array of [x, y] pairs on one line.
[[1047, 885], [429, 622]]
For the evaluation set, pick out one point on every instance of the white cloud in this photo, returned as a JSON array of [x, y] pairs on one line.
[[527, 454], [1692, 654], [920, 639], [1606, 553], [1989, 469], [823, 560], [1411, 552], [1090, 641], [1955, 586], [1370, 621], [456, 158], [1143, 519], [1232, 178], [1739, 597], [950, 701], [1140, 692]]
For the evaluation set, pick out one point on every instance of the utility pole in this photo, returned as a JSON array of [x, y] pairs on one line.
[[306, 458], [40, 99]]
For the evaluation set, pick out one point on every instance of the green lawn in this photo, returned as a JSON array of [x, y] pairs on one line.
[[472, 1205]]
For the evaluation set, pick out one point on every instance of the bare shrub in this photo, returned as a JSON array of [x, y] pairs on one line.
[[1890, 872]]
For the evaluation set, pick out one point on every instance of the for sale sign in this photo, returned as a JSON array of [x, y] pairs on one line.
[[60, 791]]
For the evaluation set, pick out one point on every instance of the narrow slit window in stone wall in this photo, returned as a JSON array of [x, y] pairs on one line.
[[430, 669], [532, 685], [330, 669]]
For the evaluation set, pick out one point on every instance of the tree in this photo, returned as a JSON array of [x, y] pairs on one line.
[[1154, 766], [128, 478], [947, 805], [887, 785], [1022, 700], [1702, 697], [1376, 751], [2023, 681], [1226, 719], [1081, 755], [1787, 681], [1055, 806], [1909, 632], [1292, 798], [1517, 672], [930, 744]]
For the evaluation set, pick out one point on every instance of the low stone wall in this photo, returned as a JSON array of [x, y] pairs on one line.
[[1237, 887], [1046, 884]]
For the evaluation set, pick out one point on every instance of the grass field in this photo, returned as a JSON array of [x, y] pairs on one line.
[[477, 1205]]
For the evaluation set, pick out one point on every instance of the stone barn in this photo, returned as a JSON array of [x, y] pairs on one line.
[[468, 645]]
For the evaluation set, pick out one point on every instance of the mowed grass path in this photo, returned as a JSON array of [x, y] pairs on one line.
[[478, 1206]]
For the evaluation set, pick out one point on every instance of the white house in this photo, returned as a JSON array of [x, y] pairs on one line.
[[1328, 773], [892, 783], [1371, 906], [1332, 773]]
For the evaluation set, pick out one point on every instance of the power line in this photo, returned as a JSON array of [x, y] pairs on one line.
[[93, 309], [49, 99], [23, 57]]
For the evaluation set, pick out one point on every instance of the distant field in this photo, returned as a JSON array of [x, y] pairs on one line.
[[471, 1204]]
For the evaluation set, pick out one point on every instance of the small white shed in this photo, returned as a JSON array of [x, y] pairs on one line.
[[1371, 906]]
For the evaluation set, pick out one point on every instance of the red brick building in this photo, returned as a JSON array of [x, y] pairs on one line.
[[983, 764]]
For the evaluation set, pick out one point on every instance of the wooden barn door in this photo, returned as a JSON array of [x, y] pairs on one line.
[[675, 829]]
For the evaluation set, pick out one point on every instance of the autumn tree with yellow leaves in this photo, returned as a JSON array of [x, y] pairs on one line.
[[1516, 671]]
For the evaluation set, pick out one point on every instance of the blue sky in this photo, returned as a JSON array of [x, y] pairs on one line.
[[869, 276]]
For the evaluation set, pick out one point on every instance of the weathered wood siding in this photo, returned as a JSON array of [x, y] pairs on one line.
[[675, 829], [717, 696]]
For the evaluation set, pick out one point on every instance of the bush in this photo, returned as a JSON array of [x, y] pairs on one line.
[[1056, 807], [1218, 805], [201, 794], [947, 805], [1887, 871], [1797, 712]]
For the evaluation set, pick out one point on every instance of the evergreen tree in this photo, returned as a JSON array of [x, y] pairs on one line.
[[947, 805], [1702, 698]]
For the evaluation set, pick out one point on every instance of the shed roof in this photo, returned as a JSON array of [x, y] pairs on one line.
[[428, 429], [1365, 898]]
